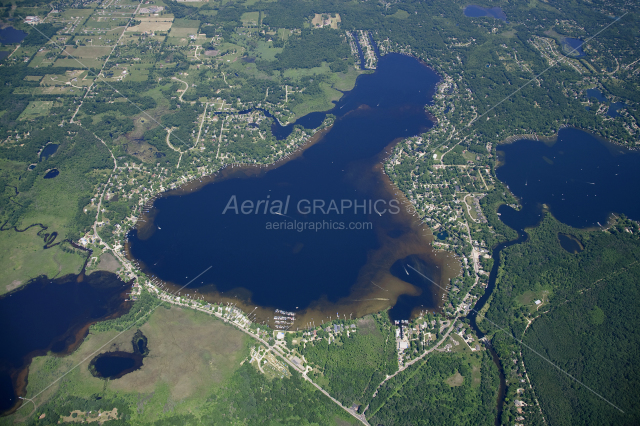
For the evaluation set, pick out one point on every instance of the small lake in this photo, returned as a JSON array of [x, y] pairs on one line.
[[595, 93], [51, 174], [113, 365], [317, 273], [614, 107], [570, 243], [48, 151], [10, 35], [442, 235], [4, 54], [573, 47], [580, 179], [474, 11], [51, 315]]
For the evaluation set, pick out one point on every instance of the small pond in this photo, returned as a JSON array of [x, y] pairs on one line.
[[48, 151], [52, 173], [573, 47], [570, 243], [442, 235], [595, 93]]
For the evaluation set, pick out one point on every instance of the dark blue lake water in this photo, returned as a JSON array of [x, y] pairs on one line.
[[614, 107], [573, 47], [48, 315], [474, 11], [581, 179], [4, 54], [52, 173], [113, 365], [318, 273], [48, 151], [10, 35], [595, 93]]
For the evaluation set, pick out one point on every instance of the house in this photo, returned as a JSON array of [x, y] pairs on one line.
[[537, 302], [280, 335]]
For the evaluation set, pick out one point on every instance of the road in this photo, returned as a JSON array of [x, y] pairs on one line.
[[275, 348], [104, 64], [185, 89], [204, 116], [413, 361]]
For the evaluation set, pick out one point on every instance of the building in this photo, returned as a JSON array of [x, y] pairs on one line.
[[280, 335], [33, 20]]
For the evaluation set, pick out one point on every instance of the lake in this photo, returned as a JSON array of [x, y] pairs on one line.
[[580, 179], [51, 174], [595, 93], [614, 107], [474, 11], [10, 35], [573, 47], [335, 184], [48, 151], [51, 315]]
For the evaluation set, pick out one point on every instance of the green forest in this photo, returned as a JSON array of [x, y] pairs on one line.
[[351, 367], [580, 347], [443, 389]]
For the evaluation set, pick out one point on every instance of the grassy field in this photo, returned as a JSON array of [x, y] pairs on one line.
[[186, 23], [74, 13], [400, 14], [266, 51], [250, 18], [36, 109], [183, 31], [151, 26], [25, 258], [191, 355], [73, 63], [318, 104], [92, 52]]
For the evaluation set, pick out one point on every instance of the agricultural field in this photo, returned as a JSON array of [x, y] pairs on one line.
[[36, 109]]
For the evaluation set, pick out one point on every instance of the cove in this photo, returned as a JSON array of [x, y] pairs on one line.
[[266, 260], [580, 179], [51, 316]]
